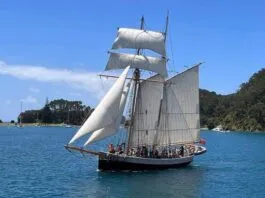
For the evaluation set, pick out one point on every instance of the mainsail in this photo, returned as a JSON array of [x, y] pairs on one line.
[[107, 111], [150, 93], [113, 127], [179, 121], [167, 113], [140, 39]]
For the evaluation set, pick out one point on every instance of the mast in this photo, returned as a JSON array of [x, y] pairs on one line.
[[166, 29], [168, 135], [160, 105], [136, 79]]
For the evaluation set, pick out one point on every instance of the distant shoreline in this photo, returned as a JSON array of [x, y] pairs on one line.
[[4, 124]]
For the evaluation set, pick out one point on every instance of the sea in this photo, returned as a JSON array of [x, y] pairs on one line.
[[34, 163]]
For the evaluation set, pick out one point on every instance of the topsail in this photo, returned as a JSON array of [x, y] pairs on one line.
[[121, 60], [140, 39], [107, 111]]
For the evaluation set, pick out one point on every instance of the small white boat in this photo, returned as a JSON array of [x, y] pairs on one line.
[[199, 150], [218, 128]]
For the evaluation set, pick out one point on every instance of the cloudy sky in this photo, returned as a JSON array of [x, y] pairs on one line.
[[55, 49]]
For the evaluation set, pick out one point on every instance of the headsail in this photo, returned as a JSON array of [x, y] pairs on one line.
[[140, 39], [112, 128], [179, 122], [121, 60], [146, 114], [107, 110]]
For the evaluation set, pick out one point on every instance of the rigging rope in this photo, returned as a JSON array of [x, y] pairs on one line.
[[171, 49]]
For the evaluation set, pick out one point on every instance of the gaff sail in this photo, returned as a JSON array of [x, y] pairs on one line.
[[180, 121]]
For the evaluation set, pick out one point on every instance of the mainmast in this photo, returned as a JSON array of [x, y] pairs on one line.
[[136, 79], [160, 105], [166, 29]]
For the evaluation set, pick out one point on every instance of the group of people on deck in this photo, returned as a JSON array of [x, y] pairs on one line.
[[143, 151], [119, 149], [148, 152]]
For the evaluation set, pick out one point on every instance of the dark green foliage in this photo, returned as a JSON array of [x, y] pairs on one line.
[[1, 121], [243, 110], [12, 121], [58, 111], [46, 114]]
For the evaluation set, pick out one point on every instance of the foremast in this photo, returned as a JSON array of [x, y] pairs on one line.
[[136, 80]]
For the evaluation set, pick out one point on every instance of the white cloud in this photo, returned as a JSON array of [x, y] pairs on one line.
[[8, 102], [88, 81], [34, 90], [29, 100]]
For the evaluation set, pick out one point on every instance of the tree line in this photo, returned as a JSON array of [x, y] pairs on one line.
[[57, 112]]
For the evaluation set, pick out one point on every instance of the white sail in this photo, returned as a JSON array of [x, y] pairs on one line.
[[113, 127], [179, 121], [121, 60], [140, 39], [146, 112], [107, 110]]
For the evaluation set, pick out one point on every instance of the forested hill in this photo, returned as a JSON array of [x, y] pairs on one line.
[[243, 110], [57, 112]]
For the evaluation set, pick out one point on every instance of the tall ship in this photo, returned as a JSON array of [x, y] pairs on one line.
[[163, 125]]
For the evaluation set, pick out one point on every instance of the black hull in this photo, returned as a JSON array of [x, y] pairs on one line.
[[118, 165]]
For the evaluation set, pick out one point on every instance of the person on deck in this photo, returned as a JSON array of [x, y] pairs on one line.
[[119, 149], [111, 148], [181, 151]]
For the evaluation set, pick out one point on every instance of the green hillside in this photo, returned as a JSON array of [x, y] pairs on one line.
[[243, 110]]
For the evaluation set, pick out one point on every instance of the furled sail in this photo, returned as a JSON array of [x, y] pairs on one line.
[[146, 113], [179, 121], [140, 39], [121, 60], [107, 111], [112, 128]]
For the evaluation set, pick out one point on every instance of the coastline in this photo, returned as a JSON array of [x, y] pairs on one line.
[[5, 124]]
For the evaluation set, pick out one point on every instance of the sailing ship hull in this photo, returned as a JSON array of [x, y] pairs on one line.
[[124, 162]]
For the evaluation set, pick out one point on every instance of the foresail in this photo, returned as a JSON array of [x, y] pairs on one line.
[[179, 122], [140, 39], [113, 127], [146, 113], [121, 60], [105, 113]]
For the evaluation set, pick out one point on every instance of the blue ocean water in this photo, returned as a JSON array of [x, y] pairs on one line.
[[34, 163]]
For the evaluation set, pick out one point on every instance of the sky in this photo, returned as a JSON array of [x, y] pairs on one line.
[[55, 49]]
